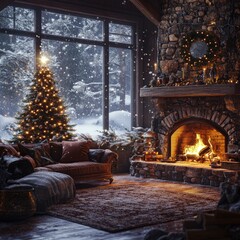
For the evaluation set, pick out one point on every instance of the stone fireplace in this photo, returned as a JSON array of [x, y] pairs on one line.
[[195, 93], [196, 123], [203, 117], [195, 82], [197, 127]]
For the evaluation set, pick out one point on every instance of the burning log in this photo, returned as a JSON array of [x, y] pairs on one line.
[[192, 157], [204, 151], [199, 152]]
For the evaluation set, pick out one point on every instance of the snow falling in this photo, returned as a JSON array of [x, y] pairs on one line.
[[77, 54]]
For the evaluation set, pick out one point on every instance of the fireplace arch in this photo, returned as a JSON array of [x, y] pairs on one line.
[[189, 133], [207, 111]]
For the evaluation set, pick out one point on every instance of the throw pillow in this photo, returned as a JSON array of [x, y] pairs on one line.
[[26, 150], [76, 151], [18, 166], [30, 160], [8, 149], [39, 153], [96, 155], [56, 151]]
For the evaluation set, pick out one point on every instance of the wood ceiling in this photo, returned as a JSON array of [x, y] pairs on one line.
[[4, 3], [149, 8]]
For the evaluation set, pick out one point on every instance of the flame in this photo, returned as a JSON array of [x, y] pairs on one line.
[[195, 149], [201, 152]]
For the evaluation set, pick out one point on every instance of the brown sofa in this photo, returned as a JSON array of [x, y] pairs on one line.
[[79, 159]]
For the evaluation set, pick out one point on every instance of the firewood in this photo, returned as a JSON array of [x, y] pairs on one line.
[[200, 216], [212, 221], [209, 234], [225, 213], [191, 224], [204, 150]]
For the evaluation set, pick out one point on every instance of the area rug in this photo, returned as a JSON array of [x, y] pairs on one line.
[[132, 203]]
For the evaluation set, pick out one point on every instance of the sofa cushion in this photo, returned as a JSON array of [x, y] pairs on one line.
[[77, 169], [8, 149], [75, 151], [39, 152]]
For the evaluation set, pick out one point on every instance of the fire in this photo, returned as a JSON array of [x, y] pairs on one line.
[[197, 148], [201, 152]]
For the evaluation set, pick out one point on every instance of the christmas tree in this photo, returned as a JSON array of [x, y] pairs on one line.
[[43, 116]]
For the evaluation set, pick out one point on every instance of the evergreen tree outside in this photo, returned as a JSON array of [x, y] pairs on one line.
[[44, 115]]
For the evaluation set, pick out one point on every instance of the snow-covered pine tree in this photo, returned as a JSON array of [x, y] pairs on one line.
[[43, 116]]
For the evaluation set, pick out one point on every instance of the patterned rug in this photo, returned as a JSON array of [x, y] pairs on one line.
[[131, 202]]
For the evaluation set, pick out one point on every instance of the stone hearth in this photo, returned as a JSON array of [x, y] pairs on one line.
[[183, 172]]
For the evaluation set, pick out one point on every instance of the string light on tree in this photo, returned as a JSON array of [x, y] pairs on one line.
[[43, 116]]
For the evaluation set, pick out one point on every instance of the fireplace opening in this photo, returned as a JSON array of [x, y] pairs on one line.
[[197, 141]]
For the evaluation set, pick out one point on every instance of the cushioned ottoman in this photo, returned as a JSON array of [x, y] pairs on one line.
[[49, 188]]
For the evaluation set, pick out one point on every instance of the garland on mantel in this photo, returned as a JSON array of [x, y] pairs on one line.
[[212, 43]]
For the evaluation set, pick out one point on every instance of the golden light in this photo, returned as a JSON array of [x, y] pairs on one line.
[[196, 148], [43, 60]]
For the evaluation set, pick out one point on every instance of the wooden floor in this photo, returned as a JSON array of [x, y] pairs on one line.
[[50, 228], [45, 227]]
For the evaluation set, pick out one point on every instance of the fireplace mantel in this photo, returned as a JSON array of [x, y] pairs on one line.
[[191, 91]]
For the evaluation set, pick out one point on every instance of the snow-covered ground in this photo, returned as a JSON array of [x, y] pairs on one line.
[[6, 127], [120, 122]]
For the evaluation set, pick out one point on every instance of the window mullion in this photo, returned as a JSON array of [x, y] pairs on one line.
[[38, 38], [106, 77], [14, 17]]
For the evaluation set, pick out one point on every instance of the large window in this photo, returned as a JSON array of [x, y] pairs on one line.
[[91, 59]]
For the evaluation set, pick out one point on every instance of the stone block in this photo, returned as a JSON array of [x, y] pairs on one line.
[[180, 169], [217, 172], [214, 183], [142, 172], [205, 181], [169, 168], [165, 176], [177, 176], [193, 172], [206, 172], [158, 174], [160, 167], [213, 178], [187, 179], [229, 174], [195, 180]]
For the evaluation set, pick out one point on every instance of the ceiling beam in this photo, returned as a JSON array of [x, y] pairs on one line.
[[147, 9], [4, 3]]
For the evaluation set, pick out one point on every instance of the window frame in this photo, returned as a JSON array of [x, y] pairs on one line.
[[37, 35]]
